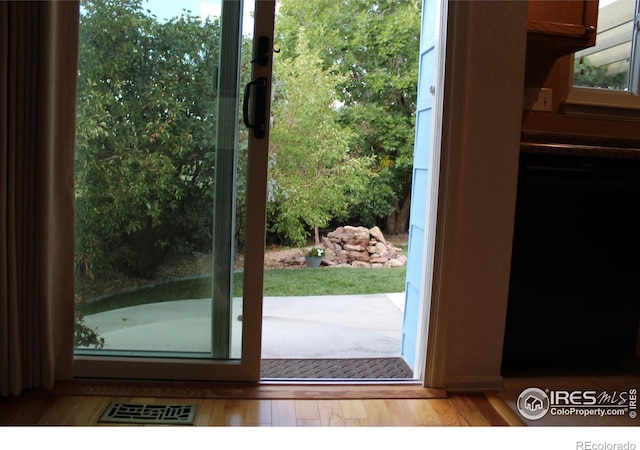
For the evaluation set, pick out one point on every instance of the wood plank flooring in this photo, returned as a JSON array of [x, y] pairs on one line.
[[301, 405], [67, 408]]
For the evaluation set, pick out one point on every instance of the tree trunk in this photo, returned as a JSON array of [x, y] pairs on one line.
[[402, 221], [316, 235], [392, 218], [398, 220]]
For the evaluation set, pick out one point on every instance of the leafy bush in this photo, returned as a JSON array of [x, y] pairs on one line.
[[84, 336], [145, 137], [316, 252]]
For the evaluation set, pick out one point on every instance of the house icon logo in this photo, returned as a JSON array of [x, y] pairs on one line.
[[533, 403]]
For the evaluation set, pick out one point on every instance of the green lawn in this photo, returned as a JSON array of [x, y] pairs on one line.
[[338, 281], [282, 282]]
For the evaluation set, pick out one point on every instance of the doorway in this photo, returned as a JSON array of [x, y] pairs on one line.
[[246, 365], [410, 301]]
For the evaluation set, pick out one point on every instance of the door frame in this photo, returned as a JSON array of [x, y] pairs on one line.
[[432, 356], [248, 367], [424, 198], [478, 180]]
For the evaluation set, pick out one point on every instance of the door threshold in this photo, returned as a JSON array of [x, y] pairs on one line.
[[341, 382], [263, 390]]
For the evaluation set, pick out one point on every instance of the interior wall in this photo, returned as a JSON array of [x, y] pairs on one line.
[[482, 121]]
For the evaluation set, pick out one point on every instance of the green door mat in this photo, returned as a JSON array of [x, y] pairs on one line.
[[149, 414]]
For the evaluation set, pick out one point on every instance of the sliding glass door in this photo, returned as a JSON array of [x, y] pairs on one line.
[[171, 160]]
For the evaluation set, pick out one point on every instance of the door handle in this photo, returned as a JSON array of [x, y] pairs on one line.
[[259, 124]]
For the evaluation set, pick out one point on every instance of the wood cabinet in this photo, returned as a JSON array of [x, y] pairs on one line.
[[559, 28]]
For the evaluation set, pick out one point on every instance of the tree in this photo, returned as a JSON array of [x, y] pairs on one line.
[[145, 136], [588, 75], [374, 46], [314, 176]]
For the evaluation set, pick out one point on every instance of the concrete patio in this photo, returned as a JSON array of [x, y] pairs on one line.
[[343, 326]]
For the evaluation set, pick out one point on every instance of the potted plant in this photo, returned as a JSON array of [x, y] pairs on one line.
[[314, 256]]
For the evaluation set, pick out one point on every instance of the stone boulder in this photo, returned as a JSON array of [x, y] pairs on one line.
[[360, 247]]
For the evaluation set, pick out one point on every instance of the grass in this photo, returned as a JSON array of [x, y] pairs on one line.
[[277, 283], [338, 281]]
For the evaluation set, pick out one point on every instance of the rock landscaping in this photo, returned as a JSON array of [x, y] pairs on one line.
[[356, 247]]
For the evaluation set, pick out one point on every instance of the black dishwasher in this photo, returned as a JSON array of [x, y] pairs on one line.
[[574, 295]]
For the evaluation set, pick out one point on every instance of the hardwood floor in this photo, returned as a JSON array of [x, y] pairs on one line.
[[63, 407], [304, 405]]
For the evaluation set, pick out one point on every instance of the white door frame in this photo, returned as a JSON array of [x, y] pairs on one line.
[[247, 368], [425, 312]]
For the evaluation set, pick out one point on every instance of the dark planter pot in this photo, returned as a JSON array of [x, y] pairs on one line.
[[314, 261]]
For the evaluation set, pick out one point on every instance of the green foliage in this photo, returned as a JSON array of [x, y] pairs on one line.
[[316, 252], [588, 75], [377, 200], [83, 335], [145, 137], [342, 140], [374, 47], [314, 174]]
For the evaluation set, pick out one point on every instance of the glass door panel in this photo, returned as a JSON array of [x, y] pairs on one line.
[[162, 192]]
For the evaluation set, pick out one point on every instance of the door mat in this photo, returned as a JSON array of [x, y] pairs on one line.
[[149, 414], [352, 368]]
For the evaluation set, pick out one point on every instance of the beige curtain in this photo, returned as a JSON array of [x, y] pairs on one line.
[[38, 70]]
